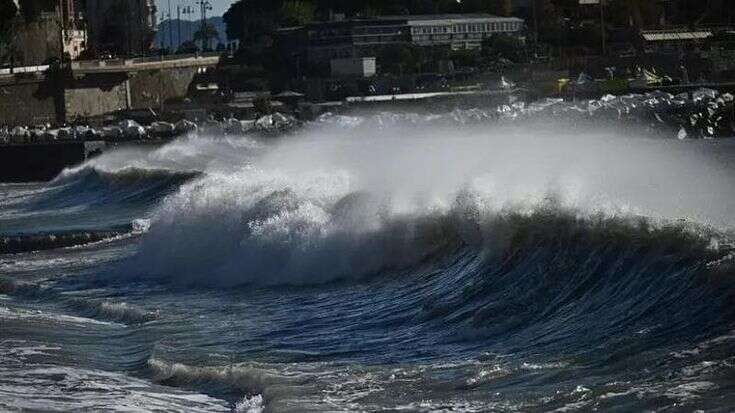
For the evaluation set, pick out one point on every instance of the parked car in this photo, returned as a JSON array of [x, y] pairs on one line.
[[132, 129]]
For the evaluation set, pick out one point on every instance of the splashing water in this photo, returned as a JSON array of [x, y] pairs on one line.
[[391, 261]]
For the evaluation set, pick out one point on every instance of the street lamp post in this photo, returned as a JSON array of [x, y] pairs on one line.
[[204, 5], [178, 24], [602, 25], [170, 28], [184, 11], [162, 31]]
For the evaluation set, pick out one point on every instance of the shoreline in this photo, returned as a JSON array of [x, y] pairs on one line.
[[702, 114]]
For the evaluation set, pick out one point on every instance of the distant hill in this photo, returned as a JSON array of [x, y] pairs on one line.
[[170, 28]]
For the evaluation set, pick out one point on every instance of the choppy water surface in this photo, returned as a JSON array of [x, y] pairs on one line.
[[379, 263]]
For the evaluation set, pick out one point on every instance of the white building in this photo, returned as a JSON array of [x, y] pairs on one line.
[[460, 31], [74, 42]]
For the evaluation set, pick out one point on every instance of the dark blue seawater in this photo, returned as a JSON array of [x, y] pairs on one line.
[[384, 263]]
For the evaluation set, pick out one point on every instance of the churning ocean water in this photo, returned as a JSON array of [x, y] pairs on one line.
[[377, 263]]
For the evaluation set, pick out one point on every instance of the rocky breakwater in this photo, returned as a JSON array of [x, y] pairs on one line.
[[40, 153]]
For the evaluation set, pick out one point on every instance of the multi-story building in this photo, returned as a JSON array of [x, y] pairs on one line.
[[57, 32], [459, 31], [353, 38], [74, 42], [362, 37], [126, 27]]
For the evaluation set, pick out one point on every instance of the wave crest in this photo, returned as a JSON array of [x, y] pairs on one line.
[[40, 242], [326, 205], [290, 236], [119, 312]]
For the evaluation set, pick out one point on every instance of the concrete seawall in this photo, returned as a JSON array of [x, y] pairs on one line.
[[95, 95], [28, 102], [148, 87], [89, 89]]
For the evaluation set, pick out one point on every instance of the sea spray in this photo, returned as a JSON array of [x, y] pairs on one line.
[[332, 204], [400, 262]]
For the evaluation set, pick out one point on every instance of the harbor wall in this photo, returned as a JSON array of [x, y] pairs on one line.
[[28, 102], [95, 95], [37, 100], [169, 84]]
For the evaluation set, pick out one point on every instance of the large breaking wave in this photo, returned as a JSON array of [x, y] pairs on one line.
[[338, 203], [472, 255]]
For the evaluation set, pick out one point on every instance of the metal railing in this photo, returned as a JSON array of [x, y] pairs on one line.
[[24, 69], [139, 61]]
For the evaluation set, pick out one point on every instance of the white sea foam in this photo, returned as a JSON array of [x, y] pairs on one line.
[[51, 318], [330, 204], [47, 388], [250, 404], [184, 155]]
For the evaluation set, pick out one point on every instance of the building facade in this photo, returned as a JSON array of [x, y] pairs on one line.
[[350, 67], [459, 31], [363, 37], [353, 38], [56, 33], [74, 42]]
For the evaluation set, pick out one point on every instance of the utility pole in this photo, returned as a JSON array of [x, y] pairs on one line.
[[205, 5], [178, 20], [170, 28], [129, 36], [535, 27], [163, 32], [187, 11], [602, 25]]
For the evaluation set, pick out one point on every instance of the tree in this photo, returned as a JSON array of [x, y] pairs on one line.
[[8, 11], [297, 12], [400, 59], [31, 9], [505, 46], [247, 20], [206, 34], [464, 58], [188, 47], [551, 27]]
